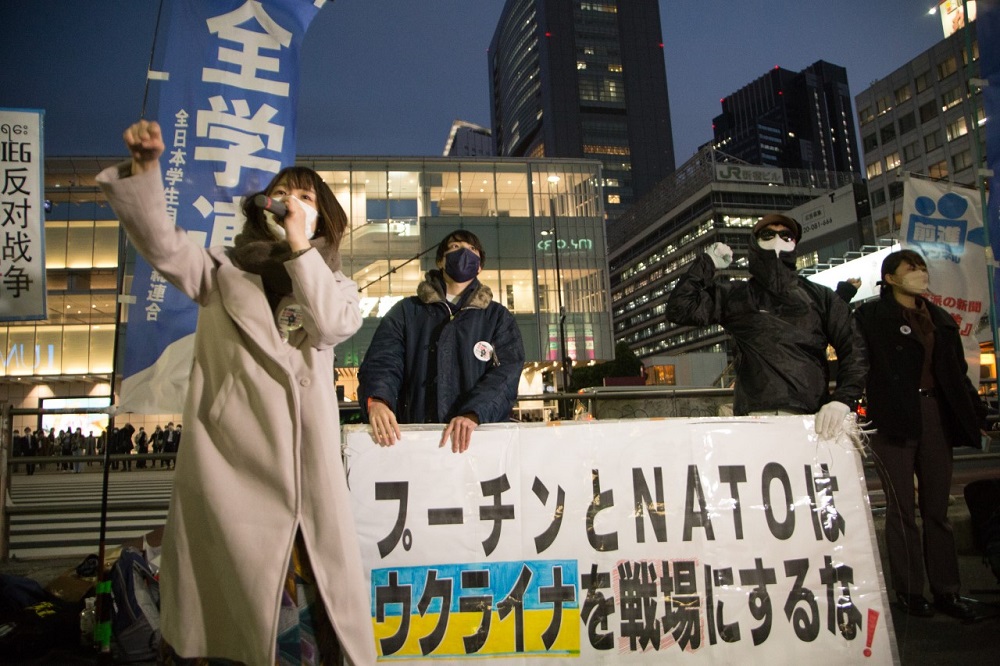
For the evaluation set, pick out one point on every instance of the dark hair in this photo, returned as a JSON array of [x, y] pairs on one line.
[[893, 260], [462, 236], [332, 220]]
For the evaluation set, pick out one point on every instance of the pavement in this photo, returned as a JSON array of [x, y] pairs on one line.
[[942, 640]]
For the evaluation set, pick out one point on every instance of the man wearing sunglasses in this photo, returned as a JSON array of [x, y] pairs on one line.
[[781, 324]]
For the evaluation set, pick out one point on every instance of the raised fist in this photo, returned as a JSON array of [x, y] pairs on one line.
[[721, 254]]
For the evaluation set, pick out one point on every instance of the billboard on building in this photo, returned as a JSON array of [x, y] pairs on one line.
[[826, 213], [744, 173], [953, 16]]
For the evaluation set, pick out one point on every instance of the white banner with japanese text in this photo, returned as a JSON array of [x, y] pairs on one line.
[[22, 214], [729, 539], [944, 223]]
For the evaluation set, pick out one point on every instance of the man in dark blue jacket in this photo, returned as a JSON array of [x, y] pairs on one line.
[[450, 354]]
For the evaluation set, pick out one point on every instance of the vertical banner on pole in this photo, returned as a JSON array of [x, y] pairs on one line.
[[988, 31], [226, 83], [944, 223], [22, 213]]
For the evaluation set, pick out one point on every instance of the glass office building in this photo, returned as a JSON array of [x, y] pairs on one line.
[[532, 215], [573, 78]]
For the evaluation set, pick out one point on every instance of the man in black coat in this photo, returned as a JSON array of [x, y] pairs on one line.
[[18, 448], [141, 447], [781, 324], [34, 448], [450, 354], [923, 403]]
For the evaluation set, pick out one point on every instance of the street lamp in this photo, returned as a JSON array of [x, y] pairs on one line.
[[563, 354]]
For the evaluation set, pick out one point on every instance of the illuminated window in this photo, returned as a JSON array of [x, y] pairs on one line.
[[950, 98], [614, 199], [939, 170], [956, 129], [662, 375], [947, 68], [606, 150]]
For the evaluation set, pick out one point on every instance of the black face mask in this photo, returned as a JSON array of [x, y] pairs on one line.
[[461, 265]]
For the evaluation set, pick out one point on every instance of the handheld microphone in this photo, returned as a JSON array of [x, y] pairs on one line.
[[278, 208]]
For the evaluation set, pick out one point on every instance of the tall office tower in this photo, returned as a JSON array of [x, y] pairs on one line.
[[584, 79], [922, 118], [792, 120]]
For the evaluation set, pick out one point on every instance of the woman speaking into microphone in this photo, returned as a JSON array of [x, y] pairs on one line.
[[260, 555]]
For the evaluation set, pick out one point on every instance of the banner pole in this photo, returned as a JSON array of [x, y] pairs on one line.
[[970, 77]]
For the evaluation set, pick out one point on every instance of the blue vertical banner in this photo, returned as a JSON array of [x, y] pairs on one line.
[[988, 34], [226, 82]]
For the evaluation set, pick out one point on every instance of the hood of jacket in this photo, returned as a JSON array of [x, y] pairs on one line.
[[432, 290]]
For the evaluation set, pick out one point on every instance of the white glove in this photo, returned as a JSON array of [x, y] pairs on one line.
[[721, 254], [830, 419]]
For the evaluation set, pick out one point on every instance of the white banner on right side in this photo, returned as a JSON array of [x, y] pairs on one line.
[[944, 223]]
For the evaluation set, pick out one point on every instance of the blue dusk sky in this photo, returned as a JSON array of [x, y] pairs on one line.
[[388, 77]]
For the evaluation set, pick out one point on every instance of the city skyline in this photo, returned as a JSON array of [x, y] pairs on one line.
[[389, 77]]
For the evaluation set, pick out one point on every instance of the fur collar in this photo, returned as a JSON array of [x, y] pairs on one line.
[[432, 290], [266, 257]]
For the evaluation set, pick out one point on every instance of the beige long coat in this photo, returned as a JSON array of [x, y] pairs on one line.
[[261, 455]]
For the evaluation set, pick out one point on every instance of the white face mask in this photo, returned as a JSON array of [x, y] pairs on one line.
[[778, 244], [915, 282], [278, 231]]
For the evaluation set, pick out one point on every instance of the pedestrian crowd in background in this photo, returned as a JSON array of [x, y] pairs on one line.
[[68, 447]]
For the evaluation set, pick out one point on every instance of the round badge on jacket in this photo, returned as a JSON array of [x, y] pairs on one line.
[[289, 319], [483, 350], [905, 330]]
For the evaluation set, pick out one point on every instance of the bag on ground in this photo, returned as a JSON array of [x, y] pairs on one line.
[[135, 617], [983, 499]]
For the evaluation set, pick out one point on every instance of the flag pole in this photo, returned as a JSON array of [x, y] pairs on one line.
[[973, 82], [102, 628]]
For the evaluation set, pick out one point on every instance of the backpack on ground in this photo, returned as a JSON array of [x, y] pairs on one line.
[[983, 499], [135, 617]]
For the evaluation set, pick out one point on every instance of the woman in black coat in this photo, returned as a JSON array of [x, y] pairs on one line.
[[923, 404]]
